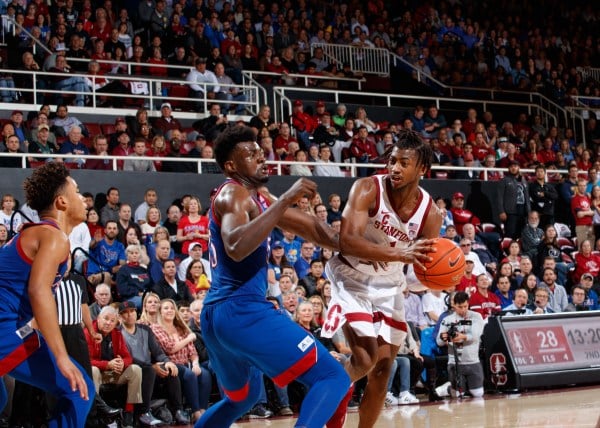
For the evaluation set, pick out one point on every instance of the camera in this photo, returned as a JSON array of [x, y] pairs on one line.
[[453, 327]]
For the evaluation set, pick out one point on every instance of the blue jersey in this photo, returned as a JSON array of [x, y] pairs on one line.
[[15, 268], [246, 278]]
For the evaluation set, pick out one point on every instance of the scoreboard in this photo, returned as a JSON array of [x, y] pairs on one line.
[[542, 350]]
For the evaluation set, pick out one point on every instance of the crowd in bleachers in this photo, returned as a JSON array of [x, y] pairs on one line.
[[457, 44]]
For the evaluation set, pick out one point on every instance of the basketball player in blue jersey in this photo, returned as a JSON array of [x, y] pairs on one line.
[[32, 265], [388, 221], [244, 334]]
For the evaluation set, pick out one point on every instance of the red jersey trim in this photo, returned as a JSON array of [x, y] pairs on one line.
[[306, 362], [20, 354], [375, 318], [239, 394], [425, 214]]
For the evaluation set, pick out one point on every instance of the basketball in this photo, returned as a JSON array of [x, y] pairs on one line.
[[446, 267]]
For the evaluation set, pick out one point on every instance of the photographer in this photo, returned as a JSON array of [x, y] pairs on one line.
[[462, 331]]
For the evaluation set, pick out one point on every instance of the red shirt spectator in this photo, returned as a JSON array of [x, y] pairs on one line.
[[363, 145], [586, 262], [484, 304], [301, 121]]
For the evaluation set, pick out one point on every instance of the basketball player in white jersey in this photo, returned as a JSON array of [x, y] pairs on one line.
[[388, 221]]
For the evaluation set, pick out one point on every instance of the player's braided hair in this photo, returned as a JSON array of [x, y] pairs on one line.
[[46, 182], [409, 139]]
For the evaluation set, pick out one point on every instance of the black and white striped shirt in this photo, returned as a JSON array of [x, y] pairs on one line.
[[70, 295]]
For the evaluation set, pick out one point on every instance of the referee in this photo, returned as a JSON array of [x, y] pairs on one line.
[[73, 313]]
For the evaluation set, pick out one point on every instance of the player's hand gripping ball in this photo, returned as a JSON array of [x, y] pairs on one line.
[[446, 267]]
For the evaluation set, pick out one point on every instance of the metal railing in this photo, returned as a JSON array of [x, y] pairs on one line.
[[361, 59], [152, 96], [350, 169], [589, 72], [284, 94]]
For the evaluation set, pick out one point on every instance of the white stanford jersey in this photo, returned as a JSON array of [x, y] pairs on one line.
[[385, 226]]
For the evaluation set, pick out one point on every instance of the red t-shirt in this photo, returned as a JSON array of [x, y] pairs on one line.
[[201, 226], [581, 203], [483, 305], [469, 285]]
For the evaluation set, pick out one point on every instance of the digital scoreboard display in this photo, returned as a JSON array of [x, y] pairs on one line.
[[551, 343]]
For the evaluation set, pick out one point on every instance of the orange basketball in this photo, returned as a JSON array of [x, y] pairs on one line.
[[446, 267]]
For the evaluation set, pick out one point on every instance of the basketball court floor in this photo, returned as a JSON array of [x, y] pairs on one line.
[[565, 408]]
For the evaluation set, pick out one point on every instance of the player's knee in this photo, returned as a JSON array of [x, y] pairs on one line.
[[327, 369], [364, 360], [476, 392]]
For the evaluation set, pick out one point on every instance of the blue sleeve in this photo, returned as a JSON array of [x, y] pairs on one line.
[[122, 255]]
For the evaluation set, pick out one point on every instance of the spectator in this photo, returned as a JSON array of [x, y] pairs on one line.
[[159, 252], [483, 301], [557, 295], [150, 200], [147, 353], [107, 256], [102, 297], [166, 121], [541, 304], [583, 212], [176, 339], [543, 196], [151, 222], [12, 146], [433, 122], [75, 146], [63, 122], [133, 279], [264, 120], [110, 211], [169, 287], [503, 292], [591, 296], [531, 235], [195, 254], [203, 83], [518, 305], [74, 84], [303, 123], [363, 149], [193, 227], [577, 300], [175, 145], [112, 362], [140, 165], [586, 261], [321, 168], [513, 201], [227, 90], [99, 148], [460, 215], [434, 303]]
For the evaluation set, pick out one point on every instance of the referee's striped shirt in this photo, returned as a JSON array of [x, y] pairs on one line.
[[69, 296]]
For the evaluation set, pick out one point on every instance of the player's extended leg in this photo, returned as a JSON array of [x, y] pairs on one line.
[[364, 353], [240, 381], [227, 411], [40, 370], [328, 384], [374, 396], [3, 395]]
